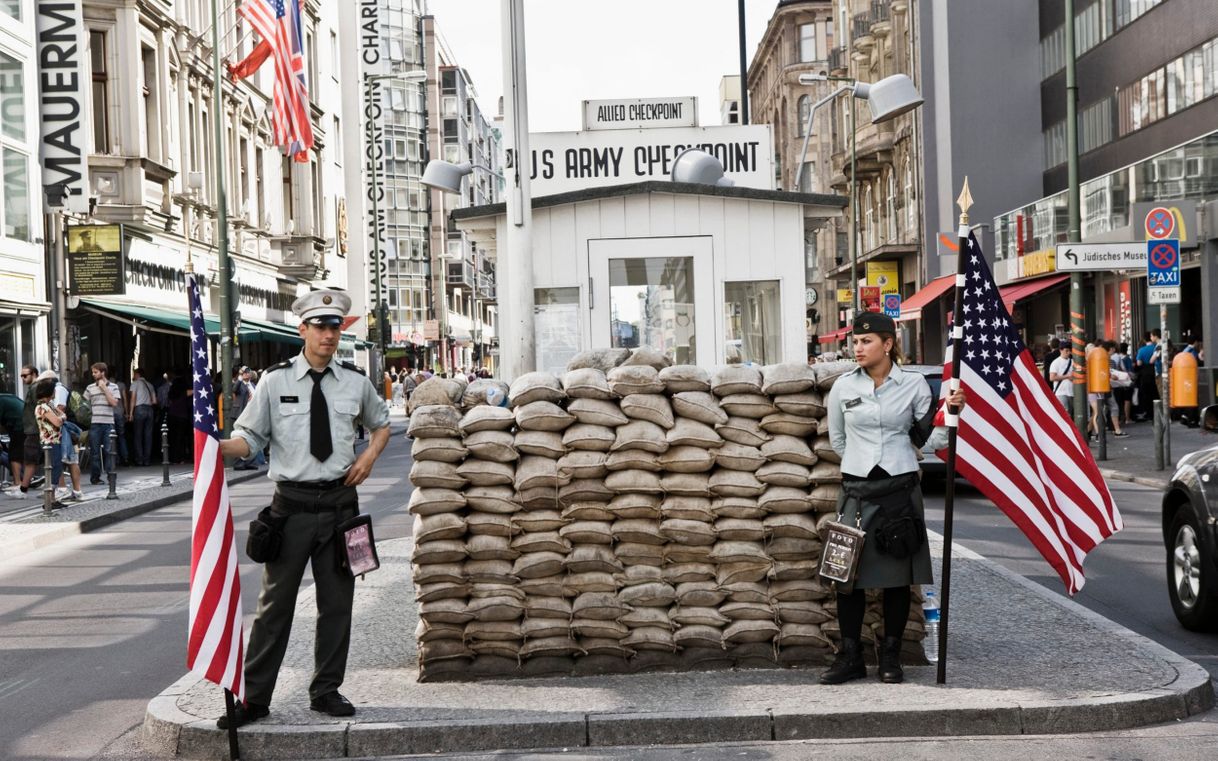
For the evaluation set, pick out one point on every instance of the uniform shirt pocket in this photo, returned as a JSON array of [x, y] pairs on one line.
[[293, 408], [347, 408]]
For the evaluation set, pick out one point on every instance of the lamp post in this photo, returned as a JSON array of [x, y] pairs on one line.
[[382, 307], [889, 98]]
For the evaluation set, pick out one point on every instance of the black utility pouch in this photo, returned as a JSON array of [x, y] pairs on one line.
[[897, 530], [266, 536]]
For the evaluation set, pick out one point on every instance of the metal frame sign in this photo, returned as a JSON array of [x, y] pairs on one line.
[[96, 265], [1166, 295], [641, 113], [568, 161], [892, 305], [1163, 263], [63, 103], [1094, 257]]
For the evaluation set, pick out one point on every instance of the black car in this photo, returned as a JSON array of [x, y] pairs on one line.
[[927, 459], [1190, 532]]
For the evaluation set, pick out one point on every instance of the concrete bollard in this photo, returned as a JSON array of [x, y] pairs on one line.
[[112, 465], [48, 486], [165, 453]]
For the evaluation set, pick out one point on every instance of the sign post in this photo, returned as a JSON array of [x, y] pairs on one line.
[[1163, 288]]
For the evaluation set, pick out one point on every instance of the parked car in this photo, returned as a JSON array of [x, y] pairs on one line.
[[929, 461], [1190, 533]]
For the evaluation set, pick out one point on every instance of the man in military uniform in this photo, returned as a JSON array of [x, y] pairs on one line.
[[307, 409]]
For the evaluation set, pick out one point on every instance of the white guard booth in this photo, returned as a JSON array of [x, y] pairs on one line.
[[707, 275]]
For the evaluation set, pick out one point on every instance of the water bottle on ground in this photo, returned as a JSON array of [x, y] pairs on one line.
[[930, 609]]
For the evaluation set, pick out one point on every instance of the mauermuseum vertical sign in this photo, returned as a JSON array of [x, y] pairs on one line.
[[63, 103]]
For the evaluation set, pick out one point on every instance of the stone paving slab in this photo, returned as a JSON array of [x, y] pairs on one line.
[[1023, 660]]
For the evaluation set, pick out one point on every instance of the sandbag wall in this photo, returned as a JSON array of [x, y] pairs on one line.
[[643, 518]]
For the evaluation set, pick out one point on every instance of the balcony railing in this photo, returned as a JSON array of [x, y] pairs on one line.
[[881, 11], [838, 59], [861, 26]]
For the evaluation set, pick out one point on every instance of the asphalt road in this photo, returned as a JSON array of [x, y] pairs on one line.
[[93, 627], [1126, 574]]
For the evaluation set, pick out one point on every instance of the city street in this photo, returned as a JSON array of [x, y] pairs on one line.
[[121, 592], [92, 627]]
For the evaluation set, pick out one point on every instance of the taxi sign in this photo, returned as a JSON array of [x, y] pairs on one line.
[[892, 305], [1163, 263]]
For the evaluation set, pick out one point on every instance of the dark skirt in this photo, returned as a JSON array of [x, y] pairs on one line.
[[877, 570]]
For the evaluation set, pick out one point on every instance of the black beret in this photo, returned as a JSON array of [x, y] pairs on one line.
[[873, 322]]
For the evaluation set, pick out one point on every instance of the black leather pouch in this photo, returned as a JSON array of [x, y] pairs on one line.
[[897, 530], [266, 536]]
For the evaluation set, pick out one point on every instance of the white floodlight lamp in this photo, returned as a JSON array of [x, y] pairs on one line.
[[700, 168], [445, 175]]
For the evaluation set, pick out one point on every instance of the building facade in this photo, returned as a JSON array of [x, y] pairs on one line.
[[1147, 139], [23, 277]]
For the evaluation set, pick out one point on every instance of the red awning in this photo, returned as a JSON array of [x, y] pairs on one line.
[[1012, 293], [911, 309], [835, 336]]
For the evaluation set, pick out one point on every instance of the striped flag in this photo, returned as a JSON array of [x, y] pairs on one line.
[[279, 24], [216, 648], [1015, 443]]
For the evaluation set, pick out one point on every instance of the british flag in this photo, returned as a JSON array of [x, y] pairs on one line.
[[279, 25], [215, 650]]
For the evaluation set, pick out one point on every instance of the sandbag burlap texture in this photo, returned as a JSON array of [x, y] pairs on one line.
[[629, 516]]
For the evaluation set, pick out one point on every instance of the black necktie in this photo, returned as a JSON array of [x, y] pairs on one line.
[[320, 443]]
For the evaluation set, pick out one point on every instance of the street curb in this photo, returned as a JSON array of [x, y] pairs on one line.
[[53, 533], [167, 728], [1120, 475]]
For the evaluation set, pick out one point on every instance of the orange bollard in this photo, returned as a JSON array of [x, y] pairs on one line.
[[1099, 379], [1183, 378]]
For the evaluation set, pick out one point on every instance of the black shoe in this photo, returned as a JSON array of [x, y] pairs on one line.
[[332, 704], [890, 661], [243, 714], [848, 664], [37, 481], [95, 481]]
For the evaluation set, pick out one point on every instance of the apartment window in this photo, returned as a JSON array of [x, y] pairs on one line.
[[12, 97], [909, 196], [1179, 84], [807, 43], [890, 208], [100, 91], [1127, 11], [243, 177], [289, 208], [318, 194], [11, 8], [1055, 145], [448, 81], [259, 188], [1095, 128], [16, 193], [448, 106], [311, 57], [804, 108], [753, 321], [868, 217], [450, 129], [334, 68], [1053, 52]]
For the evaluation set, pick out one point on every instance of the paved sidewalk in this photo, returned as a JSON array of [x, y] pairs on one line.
[[1022, 661], [1132, 457]]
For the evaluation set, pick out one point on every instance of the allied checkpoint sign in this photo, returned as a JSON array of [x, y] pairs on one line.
[[641, 113], [569, 161]]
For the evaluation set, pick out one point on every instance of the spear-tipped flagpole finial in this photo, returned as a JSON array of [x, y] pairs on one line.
[[965, 201]]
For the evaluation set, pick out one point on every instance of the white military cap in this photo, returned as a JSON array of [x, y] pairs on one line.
[[322, 307]]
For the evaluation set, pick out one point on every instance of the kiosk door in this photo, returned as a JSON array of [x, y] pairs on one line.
[[654, 292]]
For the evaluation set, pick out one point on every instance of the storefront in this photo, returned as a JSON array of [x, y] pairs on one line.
[[706, 275]]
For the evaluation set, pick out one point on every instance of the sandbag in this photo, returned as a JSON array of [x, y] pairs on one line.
[[600, 359], [653, 594], [700, 594], [828, 372], [687, 532], [792, 525], [598, 412], [742, 430], [634, 481], [737, 507], [687, 508], [538, 522], [432, 501], [826, 473], [784, 474], [583, 490], [541, 541], [639, 554], [635, 379], [787, 378], [487, 523], [536, 387], [740, 529], [733, 456], [808, 404], [784, 499], [436, 391], [603, 606], [654, 408], [587, 532], [824, 497], [497, 446], [582, 464], [588, 438], [476, 393], [586, 383], [824, 450], [736, 379], [754, 406], [478, 472], [437, 551], [686, 484], [540, 443], [635, 505], [687, 432], [637, 531], [687, 459], [587, 511], [434, 420], [735, 483], [542, 416], [534, 565], [487, 547], [441, 449], [700, 406], [440, 475], [649, 357], [640, 434], [793, 449], [633, 459], [788, 424], [680, 378], [591, 558]]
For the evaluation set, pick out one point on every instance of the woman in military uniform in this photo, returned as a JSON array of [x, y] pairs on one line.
[[879, 415]]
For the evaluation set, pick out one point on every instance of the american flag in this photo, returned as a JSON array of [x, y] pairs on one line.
[[216, 648], [1015, 442], [279, 25]]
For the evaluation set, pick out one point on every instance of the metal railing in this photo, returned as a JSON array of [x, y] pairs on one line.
[[838, 60], [881, 11], [861, 25]]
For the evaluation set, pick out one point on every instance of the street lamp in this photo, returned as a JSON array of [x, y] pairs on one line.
[[382, 308], [888, 98], [699, 167]]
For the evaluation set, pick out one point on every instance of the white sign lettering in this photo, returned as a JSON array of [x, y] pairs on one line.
[[567, 161], [63, 106], [1079, 257], [637, 113]]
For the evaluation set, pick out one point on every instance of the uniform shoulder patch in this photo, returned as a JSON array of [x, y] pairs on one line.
[[278, 366], [353, 367]]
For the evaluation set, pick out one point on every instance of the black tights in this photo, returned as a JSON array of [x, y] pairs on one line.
[[851, 607]]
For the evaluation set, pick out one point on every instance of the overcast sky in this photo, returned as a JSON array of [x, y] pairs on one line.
[[594, 49]]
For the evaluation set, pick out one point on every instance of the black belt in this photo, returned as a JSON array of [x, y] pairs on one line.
[[314, 485]]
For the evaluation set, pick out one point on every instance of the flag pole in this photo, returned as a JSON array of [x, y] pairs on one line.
[[225, 276], [952, 419], [230, 710]]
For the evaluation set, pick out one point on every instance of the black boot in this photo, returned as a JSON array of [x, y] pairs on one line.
[[848, 664], [890, 661]]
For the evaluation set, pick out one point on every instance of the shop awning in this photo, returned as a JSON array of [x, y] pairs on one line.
[[835, 336], [178, 323], [1017, 291], [911, 309]]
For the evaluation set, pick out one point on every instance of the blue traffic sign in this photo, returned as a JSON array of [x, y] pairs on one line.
[[1163, 263], [892, 305]]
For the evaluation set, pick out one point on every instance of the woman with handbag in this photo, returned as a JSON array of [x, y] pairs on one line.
[[878, 414]]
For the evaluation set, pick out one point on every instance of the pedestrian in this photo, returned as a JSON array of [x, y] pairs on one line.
[[241, 393], [1122, 380], [875, 412], [1147, 367], [120, 423], [141, 412], [103, 398], [1061, 377], [69, 435], [1104, 408], [181, 432], [1055, 346], [11, 409], [307, 410], [50, 421], [31, 449]]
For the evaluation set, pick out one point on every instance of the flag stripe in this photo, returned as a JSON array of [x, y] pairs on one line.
[[279, 24], [1015, 443], [215, 640]]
